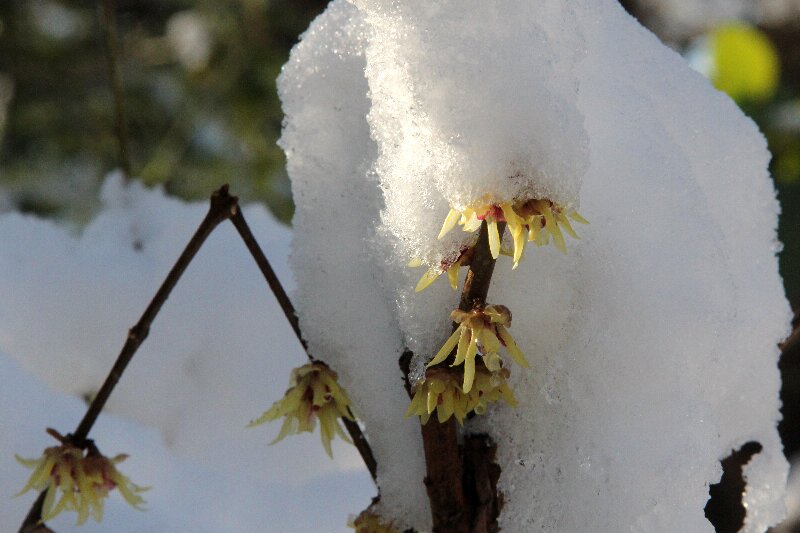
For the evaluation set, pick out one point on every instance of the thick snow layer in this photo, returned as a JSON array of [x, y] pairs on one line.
[[653, 342], [218, 355], [347, 320]]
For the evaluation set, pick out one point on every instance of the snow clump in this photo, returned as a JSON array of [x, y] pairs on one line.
[[653, 342]]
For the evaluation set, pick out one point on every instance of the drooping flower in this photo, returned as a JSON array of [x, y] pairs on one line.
[[369, 522], [541, 218], [481, 331], [441, 391], [83, 481], [544, 219], [313, 393], [449, 265]]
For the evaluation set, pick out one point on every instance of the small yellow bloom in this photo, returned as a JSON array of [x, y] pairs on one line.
[[369, 522], [84, 481], [313, 393], [451, 266], [480, 331], [441, 391], [544, 219], [540, 218]]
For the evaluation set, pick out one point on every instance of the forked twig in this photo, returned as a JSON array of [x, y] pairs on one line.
[[223, 206]]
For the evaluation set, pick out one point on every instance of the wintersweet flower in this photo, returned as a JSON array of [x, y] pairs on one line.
[[544, 219], [369, 522], [83, 481], [481, 331], [313, 393], [540, 218], [472, 216], [441, 391], [449, 265]]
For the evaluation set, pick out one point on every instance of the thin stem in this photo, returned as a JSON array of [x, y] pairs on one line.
[[269, 274], [111, 41], [221, 208], [238, 220]]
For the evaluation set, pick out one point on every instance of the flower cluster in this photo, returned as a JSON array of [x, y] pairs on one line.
[[441, 391], [480, 331], [369, 522], [533, 220], [83, 480], [313, 393], [449, 265]]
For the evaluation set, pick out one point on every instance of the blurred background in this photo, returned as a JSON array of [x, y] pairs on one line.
[[201, 107]]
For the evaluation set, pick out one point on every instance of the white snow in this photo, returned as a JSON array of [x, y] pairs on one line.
[[218, 355], [653, 342]]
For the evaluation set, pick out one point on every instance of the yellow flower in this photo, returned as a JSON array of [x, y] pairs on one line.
[[480, 331], [83, 481], [544, 219], [313, 394], [541, 219], [472, 216], [441, 391], [451, 266], [369, 522]]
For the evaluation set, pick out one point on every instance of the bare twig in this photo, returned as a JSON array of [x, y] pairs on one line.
[[109, 27], [274, 283], [222, 207], [269, 274]]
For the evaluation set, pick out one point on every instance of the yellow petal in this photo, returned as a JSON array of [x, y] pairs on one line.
[[452, 274], [445, 350], [534, 227], [469, 373], [552, 228], [519, 247], [512, 347], [463, 345], [471, 223], [449, 222], [286, 429], [494, 239], [564, 221], [574, 215], [427, 278], [433, 400], [446, 409], [416, 403], [416, 262]]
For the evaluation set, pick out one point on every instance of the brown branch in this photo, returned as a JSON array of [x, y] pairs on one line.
[[359, 440], [111, 42], [269, 274], [457, 490], [222, 207]]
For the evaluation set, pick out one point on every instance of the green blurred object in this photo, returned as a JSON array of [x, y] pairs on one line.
[[199, 83], [745, 63]]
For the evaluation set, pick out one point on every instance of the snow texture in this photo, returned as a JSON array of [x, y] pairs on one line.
[[217, 356], [653, 343]]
